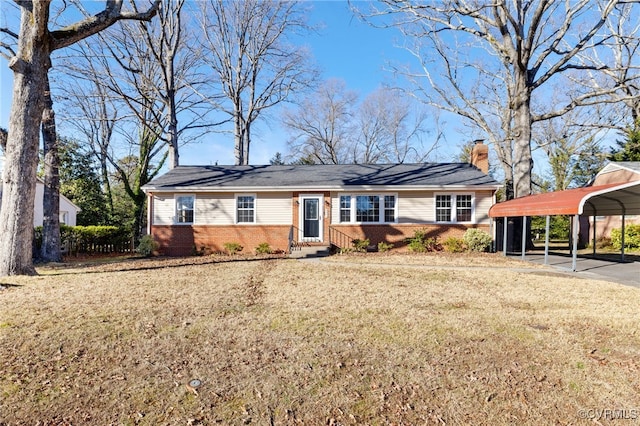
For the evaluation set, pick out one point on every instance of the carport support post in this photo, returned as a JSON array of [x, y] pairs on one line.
[[524, 235], [576, 225], [622, 252], [594, 234], [546, 241], [504, 239]]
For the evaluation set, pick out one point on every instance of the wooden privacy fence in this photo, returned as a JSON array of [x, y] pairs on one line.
[[93, 239], [74, 247]]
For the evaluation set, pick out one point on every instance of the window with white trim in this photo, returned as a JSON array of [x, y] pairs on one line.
[[454, 208], [367, 208], [185, 208], [389, 208], [463, 208], [377, 208], [345, 208], [245, 209]]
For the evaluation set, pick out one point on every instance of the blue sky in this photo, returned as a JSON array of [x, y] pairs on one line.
[[344, 47]]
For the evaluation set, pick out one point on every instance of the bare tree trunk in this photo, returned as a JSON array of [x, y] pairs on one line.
[[247, 45], [239, 141], [522, 160], [3, 138], [104, 173], [174, 154], [30, 67], [50, 249], [245, 143]]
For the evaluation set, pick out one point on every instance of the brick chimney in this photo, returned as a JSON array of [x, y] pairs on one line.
[[480, 156]]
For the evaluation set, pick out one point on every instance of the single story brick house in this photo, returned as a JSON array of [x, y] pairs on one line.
[[203, 207]]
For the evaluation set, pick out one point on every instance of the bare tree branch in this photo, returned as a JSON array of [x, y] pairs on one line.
[[30, 64], [322, 127], [509, 49], [92, 25], [255, 66]]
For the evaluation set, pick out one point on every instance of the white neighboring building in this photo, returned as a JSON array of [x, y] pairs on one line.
[[68, 210]]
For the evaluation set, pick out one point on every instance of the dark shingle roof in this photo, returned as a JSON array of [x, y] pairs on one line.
[[631, 165], [320, 176]]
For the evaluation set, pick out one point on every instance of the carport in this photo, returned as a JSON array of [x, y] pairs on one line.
[[615, 199]]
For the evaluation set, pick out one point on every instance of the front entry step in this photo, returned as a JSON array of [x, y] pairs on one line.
[[305, 252]]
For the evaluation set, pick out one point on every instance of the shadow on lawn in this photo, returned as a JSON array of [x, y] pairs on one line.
[[147, 264], [583, 254], [6, 286]]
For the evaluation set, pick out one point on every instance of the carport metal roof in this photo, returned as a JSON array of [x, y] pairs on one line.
[[603, 200]]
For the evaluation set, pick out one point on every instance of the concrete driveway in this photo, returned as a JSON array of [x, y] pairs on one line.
[[602, 267]]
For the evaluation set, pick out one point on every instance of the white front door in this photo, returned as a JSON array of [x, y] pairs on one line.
[[311, 209]]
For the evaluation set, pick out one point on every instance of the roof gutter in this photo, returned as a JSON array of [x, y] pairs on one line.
[[351, 188]]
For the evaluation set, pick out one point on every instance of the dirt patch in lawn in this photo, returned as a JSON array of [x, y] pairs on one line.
[[277, 341]]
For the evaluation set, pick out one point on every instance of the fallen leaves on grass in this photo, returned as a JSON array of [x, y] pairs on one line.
[[288, 342]]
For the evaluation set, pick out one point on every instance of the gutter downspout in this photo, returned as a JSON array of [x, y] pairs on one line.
[[150, 213]]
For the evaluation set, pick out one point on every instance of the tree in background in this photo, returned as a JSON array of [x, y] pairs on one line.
[[613, 68], [93, 112], [573, 149], [153, 63], [80, 183], [628, 149], [322, 127], [124, 205], [136, 170], [30, 62], [136, 102], [277, 160], [253, 64], [330, 127], [390, 129], [486, 62], [3, 138]]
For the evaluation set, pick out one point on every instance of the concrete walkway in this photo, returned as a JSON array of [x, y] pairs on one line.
[[602, 268]]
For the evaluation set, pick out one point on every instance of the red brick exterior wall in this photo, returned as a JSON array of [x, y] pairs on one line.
[[182, 240], [396, 233], [608, 223]]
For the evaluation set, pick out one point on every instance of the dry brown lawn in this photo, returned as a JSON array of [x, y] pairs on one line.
[[288, 342]]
